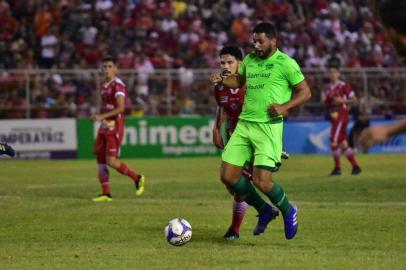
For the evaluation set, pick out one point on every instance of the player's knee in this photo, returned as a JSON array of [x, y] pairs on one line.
[[264, 184], [226, 179], [112, 162]]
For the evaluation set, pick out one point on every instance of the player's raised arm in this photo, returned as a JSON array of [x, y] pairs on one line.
[[231, 81]]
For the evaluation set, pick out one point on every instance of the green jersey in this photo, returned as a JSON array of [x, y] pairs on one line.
[[268, 81]]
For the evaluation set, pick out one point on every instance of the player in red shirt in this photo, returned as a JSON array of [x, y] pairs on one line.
[[111, 131], [338, 97], [230, 103]]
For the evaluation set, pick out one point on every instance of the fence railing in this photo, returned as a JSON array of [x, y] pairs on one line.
[[74, 93]]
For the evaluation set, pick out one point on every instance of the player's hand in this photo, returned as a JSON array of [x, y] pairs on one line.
[[276, 109], [373, 135], [217, 138], [338, 100], [216, 78], [96, 117]]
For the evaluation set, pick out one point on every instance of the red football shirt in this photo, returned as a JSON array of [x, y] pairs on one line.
[[231, 100], [338, 89], [109, 93]]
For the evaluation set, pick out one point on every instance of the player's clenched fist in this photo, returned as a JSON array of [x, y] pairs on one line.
[[276, 109], [216, 78]]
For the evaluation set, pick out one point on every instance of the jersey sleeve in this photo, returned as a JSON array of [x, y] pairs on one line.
[[293, 73], [350, 93], [119, 90], [242, 68]]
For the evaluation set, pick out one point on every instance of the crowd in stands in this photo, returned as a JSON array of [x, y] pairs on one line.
[[147, 35]]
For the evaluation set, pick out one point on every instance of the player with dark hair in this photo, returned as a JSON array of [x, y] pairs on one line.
[[6, 149], [270, 77], [392, 14], [111, 131], [338, 97], [230, 101]]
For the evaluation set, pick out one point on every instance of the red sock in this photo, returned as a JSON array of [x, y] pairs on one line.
[[104, 178], [336, 156], [239, 210], [350, 156], [125, 170]]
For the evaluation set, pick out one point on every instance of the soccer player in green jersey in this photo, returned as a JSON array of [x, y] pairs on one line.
[[274, 84]]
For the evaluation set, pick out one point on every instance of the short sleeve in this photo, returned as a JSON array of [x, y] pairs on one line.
[[350, 92], [293, 73], [119, 90], [241, 69]]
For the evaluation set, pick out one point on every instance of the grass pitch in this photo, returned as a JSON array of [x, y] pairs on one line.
[[47, 220]]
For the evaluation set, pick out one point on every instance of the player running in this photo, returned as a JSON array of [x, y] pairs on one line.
[[230, 103], [110, 134], [338, 97], [270, 77]]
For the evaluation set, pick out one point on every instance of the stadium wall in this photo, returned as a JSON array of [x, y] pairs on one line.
[[41, 139], [312, 137], [157, 137]]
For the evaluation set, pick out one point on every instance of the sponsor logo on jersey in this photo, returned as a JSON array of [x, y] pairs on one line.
[[223, 99], [234, 106]]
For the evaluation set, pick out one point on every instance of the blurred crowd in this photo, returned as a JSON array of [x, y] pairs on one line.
[[148, 35], [173, 34]]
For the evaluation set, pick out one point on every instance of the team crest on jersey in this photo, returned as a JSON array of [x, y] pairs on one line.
[[269, 66], [223, 99], [235, 106]]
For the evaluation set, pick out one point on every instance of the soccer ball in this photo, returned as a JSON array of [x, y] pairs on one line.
[[178, 232]]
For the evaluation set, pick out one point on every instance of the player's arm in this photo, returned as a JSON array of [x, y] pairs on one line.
[[323, 98], [220, 118], [397, 128], [301, 94], [231, 81], [381, 133], [349, 101], [119, 109]]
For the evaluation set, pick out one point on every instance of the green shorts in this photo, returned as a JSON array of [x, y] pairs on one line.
[[263, 141]]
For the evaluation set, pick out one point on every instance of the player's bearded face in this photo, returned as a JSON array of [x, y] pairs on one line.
[[109, 70], [229, 64], [263, 44]]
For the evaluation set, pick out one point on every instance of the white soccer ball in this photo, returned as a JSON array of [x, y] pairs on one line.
[[178, 231]]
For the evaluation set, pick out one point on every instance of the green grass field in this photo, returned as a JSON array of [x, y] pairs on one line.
[[47, 220]]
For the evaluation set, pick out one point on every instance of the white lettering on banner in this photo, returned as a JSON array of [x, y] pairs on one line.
[[187, 135], [39, 134], [205, 134], [163, 133], [179, 150], [167, 135], [143, 132]]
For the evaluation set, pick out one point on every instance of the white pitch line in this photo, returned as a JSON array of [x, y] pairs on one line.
[[350, 203]]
